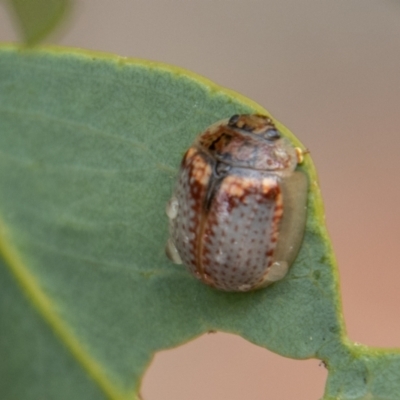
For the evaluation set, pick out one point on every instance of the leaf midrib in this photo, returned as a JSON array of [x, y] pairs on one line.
[[43, 305]]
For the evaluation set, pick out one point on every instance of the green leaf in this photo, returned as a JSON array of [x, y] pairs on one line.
[[89, 149], [37, 18]]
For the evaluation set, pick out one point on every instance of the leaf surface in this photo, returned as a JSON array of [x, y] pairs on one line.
[[90, 145]]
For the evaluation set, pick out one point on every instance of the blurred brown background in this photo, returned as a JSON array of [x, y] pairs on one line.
[[330, 71]]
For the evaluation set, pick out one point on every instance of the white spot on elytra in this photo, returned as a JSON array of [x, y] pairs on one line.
[[172, 208]]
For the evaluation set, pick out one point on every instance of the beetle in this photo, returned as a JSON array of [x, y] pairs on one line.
[[238, 211]]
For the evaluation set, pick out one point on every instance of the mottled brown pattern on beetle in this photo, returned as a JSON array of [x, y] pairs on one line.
[[229, 204], [235, 193], [229, 144], [255, 123], [248, 265], [190, 193], [277, 218], [241, 148]]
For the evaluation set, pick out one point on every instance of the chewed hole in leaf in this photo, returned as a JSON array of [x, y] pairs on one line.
[[223, 366]]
